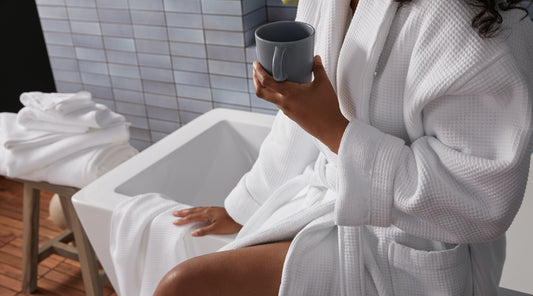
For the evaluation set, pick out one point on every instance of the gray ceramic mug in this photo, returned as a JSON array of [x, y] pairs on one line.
[[285, 50]]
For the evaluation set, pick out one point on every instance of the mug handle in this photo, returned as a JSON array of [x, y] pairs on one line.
[[278, 69]]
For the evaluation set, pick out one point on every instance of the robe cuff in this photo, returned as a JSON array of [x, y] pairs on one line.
[[366, 167], [240, 204]]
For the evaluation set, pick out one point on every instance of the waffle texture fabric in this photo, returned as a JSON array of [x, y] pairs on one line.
[[431, 169]]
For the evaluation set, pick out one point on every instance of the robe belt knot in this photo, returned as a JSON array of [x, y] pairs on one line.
[[325, 173]]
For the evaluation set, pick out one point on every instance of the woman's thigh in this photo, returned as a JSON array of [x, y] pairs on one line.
[[254, 270]]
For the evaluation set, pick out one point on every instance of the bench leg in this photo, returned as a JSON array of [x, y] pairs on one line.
[[30, 238], [87, 257]]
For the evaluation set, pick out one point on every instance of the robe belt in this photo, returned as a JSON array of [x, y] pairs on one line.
[[325, 173]]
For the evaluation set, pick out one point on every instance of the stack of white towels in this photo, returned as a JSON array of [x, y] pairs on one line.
[[64, 139]]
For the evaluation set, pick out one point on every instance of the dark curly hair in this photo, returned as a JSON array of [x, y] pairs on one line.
[[487, 21]]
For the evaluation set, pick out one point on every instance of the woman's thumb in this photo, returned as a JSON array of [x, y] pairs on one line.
[[318, 68]]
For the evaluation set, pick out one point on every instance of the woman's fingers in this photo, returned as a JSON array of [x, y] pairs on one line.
[[211, 228], [217, 218], [265, 86], [318, 69], [265, 93], [262, 76], [191, 215], [192, 218], [182, 213]]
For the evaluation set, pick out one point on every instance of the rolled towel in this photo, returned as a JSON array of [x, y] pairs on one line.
[[60, 102], [78, 121], [23, 161], [81, 168]]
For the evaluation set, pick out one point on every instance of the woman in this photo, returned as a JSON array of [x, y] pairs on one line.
[[397, 171]]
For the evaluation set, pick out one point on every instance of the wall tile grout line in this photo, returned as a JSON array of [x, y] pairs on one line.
[[206, 58], [172, 68], [70, 33], [245, 61], [139, 69], [96, 8]]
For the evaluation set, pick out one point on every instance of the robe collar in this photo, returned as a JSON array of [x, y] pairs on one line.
[[359, 54], [330, 18], [350, 51]]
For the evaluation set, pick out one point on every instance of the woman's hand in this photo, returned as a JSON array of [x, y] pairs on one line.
[[218, 218], [314, 106]]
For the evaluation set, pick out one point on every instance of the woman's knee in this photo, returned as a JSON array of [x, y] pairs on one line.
[[253, 270], [184, 279]]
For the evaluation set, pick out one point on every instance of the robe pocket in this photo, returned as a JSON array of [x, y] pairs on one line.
[[417, 272]]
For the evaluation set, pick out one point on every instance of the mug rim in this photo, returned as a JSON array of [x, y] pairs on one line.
[[312, 34]]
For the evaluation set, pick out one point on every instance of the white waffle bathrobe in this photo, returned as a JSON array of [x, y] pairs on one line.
[[421, 208]]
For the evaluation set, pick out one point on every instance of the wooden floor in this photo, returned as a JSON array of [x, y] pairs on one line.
[[57, 275]]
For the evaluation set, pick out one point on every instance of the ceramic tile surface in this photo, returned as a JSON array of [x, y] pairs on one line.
[[160, 63]]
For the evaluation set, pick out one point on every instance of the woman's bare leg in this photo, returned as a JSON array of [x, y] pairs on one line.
[[253, 270]]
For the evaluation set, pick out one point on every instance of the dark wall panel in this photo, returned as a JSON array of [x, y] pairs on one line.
[[24, 64]]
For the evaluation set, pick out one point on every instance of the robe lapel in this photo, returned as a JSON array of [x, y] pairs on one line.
[[329, 17], [359, 55]]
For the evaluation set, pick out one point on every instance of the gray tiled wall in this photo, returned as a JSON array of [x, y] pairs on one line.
[[160, 63]]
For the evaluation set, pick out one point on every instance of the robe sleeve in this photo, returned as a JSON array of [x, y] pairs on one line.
[[284, 154], [462, 181]]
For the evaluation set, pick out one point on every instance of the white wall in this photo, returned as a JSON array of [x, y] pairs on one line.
[[518, 269]]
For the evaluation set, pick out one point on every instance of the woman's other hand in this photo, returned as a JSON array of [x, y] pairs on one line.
[[218, 218], [314, 106]]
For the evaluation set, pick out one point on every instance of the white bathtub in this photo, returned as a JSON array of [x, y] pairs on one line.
[[197, 165]]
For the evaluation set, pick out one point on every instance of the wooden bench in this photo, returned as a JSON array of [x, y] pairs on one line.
[[81, 250]]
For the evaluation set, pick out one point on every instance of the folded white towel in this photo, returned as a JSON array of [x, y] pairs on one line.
[[14, 136], [76, 169], [80, 169], [41, 149], [144, 244], [60, 102], [78, 121]]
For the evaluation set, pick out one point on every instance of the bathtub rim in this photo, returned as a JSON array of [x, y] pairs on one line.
[[127, 170]]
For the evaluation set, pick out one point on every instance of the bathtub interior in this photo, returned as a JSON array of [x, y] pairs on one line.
[[203, 171], [197, 165]]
